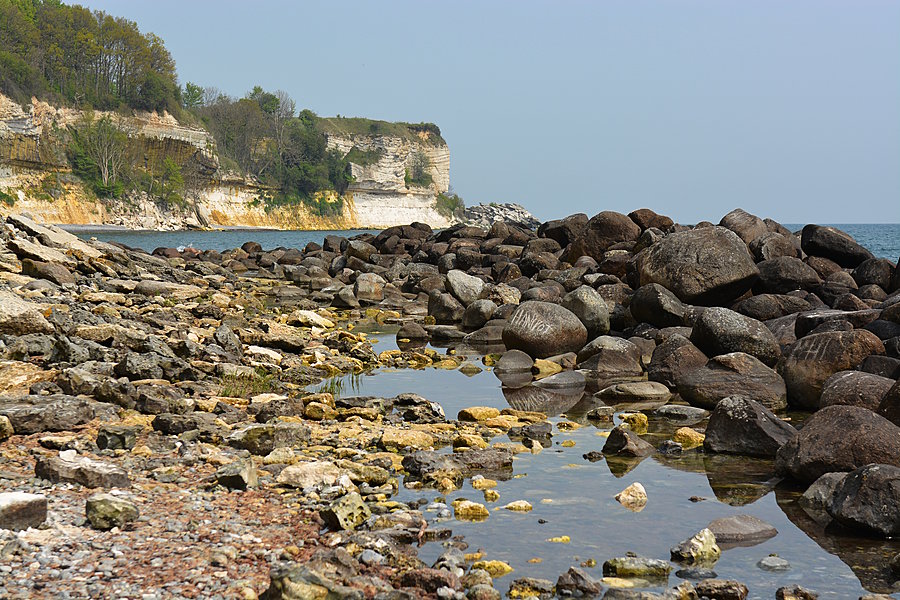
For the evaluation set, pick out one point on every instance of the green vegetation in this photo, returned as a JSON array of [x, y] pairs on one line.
[[360, 126], [450, 205], [336, 386], [7, 199], [68, 54], [417, 173], [364, 158], [261, 382]]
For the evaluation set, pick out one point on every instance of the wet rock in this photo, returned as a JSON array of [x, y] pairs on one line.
[[868, 499], [703, 266], [541, 329], [490, 461], [19, 510], [586, 304], [729, 375], [855, 388], [722, 331], [634, 497], [69, 467], [635, 392], [774, 564], [412, 331], [741, 530], [636, 566], [795, 592], [839, 438], [681, 413], [528, 587], [700, 548], [20, 317], [817, 497], [721, 589], [105, 511], [654, 304], [576, 582], [833, 244], [622, 442], [739, 425], [347, 512], [238, 475]]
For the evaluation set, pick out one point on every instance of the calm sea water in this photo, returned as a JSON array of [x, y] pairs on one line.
[[882, 239], [574, 497]]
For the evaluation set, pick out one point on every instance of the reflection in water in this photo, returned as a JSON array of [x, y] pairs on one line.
[[735, 480], [551, 402], [868, 557]]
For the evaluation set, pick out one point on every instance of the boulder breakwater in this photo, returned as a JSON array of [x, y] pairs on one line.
[[172, 424]]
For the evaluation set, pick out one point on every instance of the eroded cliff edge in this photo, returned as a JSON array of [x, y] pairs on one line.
[[36, 177]]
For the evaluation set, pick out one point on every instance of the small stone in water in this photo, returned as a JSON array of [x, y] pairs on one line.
[[696, 573], [773, 563], [688, 437], [562, 539], [519, 506], [491, 495], [466, 510], [634, 497], [496, 568]]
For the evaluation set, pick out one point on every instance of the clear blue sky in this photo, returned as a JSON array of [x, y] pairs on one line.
[[787, 109]]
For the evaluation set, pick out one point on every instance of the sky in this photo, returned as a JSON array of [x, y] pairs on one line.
[[790, 110]]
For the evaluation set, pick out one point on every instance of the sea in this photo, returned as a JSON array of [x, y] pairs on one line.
[[882, 239]]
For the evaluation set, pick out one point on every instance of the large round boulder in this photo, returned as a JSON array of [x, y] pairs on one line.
[[834, 244], [839, 438], [722, 331], [564, 231], [611, 356], [814, 358], [868, 499], [730, 375], [602, 231], [707, 266], [542, 329]]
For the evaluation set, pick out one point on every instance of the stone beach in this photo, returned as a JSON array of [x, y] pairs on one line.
[[170, 424]]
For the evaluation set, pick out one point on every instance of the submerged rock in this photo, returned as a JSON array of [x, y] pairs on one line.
[[739, 425]]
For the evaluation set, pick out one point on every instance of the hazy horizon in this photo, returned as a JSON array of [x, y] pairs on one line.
[[788, 110]]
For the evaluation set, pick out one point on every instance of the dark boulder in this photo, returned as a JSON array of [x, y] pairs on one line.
[[868, 499], [785, 274], [564, 231], [747, 226], [722, 331], [764, 307], [675, 356], [831, 243], [739, 425], [590, 308], [654, 304], [839, 438], [602, 231], [855, 388], [813, 359], [543, 329], [704, 266], [730, 375]]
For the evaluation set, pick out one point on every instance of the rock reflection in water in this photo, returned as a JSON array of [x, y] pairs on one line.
[[735, 480], [549, 397], [869, 558]]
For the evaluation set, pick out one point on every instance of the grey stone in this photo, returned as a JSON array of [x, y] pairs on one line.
[[20, 317], [348, 512], [868, 499], [69, 467], [238, 475], [590, 307], [730, 375], [262, 439], [654, 304], [543, 329], [741, 530], [722, 331]]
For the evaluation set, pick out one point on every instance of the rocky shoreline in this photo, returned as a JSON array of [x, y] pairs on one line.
[[159, 438]]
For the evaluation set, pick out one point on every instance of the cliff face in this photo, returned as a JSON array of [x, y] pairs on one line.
[[35, 177]]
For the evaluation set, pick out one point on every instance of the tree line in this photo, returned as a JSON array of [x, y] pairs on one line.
[[73, 56]]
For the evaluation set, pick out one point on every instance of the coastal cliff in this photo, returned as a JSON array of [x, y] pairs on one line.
[[36, 176]]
